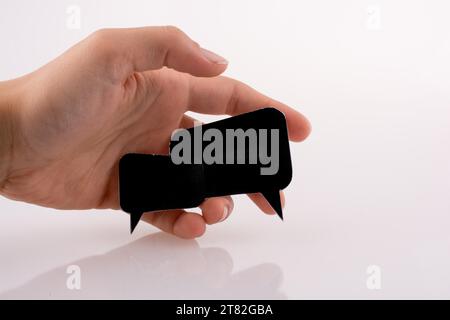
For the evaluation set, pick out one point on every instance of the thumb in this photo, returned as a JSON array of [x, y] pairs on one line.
[[151, 48]]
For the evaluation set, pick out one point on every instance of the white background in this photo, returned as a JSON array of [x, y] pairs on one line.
[[371, 185]]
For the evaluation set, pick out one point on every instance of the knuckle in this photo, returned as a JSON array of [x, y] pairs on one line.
[[102, 42], [104, 52], [174, 32], [102, 35]]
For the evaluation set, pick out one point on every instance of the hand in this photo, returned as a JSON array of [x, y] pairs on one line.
[[114, 94]]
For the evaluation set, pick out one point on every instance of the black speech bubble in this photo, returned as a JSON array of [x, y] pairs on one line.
[[151, 183]]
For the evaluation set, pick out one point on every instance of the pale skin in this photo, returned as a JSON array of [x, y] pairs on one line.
[[64, 127]]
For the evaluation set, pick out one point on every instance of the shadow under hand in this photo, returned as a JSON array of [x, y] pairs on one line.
[[157, 267]]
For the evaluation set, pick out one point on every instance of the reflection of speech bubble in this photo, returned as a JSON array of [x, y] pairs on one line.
[[213, 160]]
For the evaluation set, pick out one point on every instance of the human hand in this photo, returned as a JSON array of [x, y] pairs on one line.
[[119, 91]]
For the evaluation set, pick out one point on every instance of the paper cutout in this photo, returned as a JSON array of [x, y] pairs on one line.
[[248, 153]]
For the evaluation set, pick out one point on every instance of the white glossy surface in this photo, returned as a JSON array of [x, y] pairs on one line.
[[371, 185]]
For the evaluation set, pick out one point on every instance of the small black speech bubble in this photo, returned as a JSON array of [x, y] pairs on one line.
[[245, 154]]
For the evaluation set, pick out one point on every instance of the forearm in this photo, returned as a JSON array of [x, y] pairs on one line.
[[6, 132]]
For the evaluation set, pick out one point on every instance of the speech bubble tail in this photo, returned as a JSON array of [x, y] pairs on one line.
[[134, 220], [273, 197]]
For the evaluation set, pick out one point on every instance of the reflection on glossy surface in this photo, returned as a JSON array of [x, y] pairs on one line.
[[157, 267]]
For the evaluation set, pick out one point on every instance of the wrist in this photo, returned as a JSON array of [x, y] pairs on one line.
[[8, 111]]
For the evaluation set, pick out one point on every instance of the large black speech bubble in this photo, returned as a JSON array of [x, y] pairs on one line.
[[151, 183]]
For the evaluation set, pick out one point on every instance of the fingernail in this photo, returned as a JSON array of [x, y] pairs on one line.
[[226, 213], [213, 57]]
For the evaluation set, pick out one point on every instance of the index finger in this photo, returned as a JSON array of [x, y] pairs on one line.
[[222, 95]]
